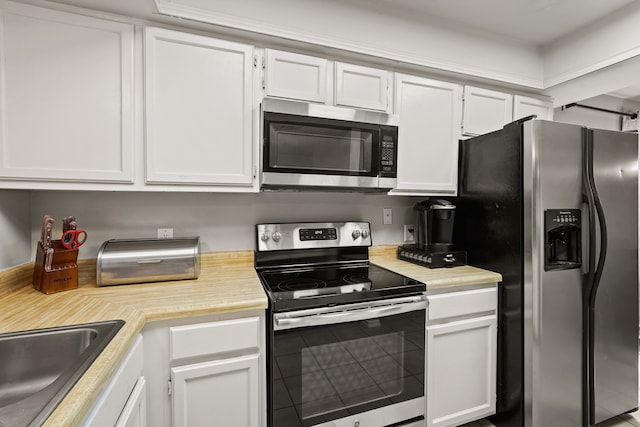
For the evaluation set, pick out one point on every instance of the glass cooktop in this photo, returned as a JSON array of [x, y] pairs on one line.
[[320, 286]]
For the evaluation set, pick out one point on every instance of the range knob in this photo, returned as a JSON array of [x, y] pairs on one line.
[[355, 234], [276, 236], [264, 237], [365, 233]]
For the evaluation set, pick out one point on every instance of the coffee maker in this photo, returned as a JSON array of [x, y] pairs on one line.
[[433, 235]]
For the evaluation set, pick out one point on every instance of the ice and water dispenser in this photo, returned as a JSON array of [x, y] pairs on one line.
[[562, 235]]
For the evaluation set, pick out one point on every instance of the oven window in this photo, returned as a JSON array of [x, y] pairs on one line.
[[323, 373], [318, 149]]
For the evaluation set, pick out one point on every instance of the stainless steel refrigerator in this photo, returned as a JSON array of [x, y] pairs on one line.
[[554, 208]]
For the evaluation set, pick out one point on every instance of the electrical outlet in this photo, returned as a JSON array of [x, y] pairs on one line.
[[386, 216], [408, 233], [165, 233]]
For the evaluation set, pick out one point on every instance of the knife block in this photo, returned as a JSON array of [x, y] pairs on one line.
[[63, 272]]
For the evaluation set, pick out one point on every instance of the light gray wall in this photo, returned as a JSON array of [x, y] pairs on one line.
[[15, 228], [224, 222]]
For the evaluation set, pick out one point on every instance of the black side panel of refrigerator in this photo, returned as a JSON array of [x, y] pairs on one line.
[[489, 226]]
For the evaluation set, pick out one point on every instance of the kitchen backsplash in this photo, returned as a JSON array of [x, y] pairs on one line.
[[224, 222]]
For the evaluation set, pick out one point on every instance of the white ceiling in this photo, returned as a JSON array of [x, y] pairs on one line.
[[533, 22], [537, 22]]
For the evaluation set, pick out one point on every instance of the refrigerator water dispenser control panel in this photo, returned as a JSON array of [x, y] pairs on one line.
[[563, 239]]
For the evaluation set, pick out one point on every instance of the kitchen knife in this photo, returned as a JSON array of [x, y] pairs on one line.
[[69, 223], [45, 233]]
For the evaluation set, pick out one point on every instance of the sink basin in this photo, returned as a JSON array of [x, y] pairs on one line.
[[39, 367]]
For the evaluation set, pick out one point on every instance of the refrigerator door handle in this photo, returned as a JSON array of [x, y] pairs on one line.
[[593, 274], [596, 212], [588, 199], [588, 264], [588, 255]]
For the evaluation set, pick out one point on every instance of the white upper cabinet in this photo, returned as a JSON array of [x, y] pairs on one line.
[[295, 76], [429, 130], [199, 109], [313, 79], [66, 96], [362, 87], [524, 106], [485, 110]]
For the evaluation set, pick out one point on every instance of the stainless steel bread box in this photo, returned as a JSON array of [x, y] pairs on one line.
[[131, 261]]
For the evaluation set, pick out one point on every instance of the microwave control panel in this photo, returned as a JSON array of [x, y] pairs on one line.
[[388, 151]]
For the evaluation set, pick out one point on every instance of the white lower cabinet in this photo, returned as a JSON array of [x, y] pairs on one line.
[[461, 352], [122, 403], [223, 390], [207, 371], [134, 413]]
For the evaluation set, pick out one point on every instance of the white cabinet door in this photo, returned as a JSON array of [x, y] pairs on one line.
[[524, 106], [134, 413], [361, 87], [295, 76], [429, 129], [485, 110], [123, 393], [225, 391], [461, 371], [198, 109], [66, 96]]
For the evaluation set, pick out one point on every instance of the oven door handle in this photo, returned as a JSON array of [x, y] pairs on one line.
[[324, 316]]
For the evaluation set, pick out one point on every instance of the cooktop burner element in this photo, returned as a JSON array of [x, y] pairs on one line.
[[300, 284], [305, 265]]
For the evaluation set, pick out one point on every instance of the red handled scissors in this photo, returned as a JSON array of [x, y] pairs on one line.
[[73, 239]]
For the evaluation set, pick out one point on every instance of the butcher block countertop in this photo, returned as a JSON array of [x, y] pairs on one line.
[[227, 283]]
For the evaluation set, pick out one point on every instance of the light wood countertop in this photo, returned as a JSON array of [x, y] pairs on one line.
[[437, 279], [227, 283]]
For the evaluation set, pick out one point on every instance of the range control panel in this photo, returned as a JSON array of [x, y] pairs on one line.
[[284, 236], [318, 234]]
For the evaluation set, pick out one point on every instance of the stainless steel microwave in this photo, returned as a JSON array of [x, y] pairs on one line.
[[327, 147]]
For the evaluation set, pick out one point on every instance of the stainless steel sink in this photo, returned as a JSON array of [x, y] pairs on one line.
[[39, 367]]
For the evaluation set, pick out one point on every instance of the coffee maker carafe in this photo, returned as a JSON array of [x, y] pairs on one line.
[[434, 225]]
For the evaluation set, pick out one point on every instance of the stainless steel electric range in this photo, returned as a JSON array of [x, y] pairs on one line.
[[346, 337]]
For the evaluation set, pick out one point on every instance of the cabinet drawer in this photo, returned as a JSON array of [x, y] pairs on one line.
[[214, 337], [463, 303]]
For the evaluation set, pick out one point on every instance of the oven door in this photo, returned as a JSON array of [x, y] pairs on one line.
[[360, 362]]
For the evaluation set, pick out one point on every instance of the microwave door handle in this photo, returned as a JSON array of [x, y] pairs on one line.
[[344, 316]]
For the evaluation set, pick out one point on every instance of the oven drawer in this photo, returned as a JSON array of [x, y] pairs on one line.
[[206, 339], [463, 303]]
